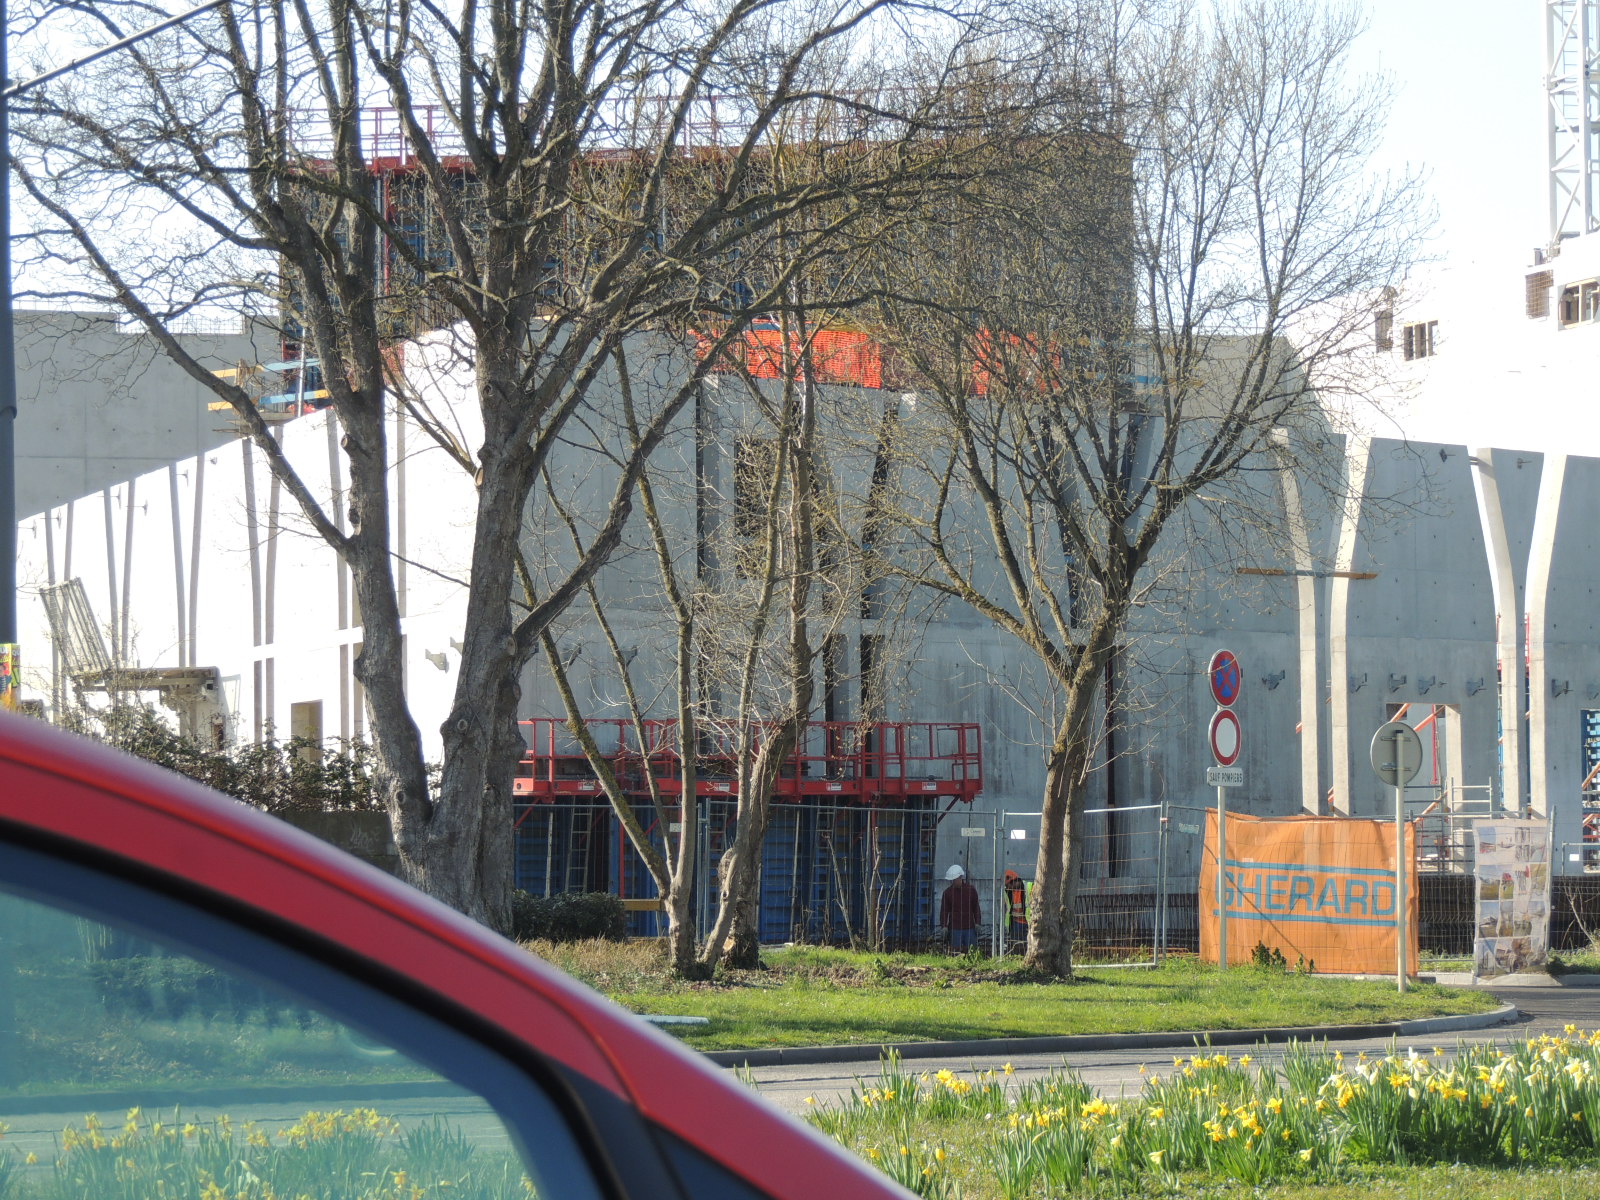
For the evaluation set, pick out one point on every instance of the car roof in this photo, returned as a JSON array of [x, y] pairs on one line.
[[111, 806]]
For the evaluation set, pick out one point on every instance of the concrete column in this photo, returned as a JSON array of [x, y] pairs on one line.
[[1339, 614], [1306, 629], [1509, 627], [1541, 564]]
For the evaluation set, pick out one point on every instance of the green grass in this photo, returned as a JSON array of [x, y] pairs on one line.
[[1425, 1183], [1576, 962], [816, 997]]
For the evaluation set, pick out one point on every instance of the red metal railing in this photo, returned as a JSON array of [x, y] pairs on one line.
[[628, 123], [844, 760]]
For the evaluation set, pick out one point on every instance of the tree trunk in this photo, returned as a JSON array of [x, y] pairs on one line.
[[744, 947], [1049, 940], [464, 854], [1053, 923]]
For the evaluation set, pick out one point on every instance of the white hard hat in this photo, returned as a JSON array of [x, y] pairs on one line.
[[955, 872]]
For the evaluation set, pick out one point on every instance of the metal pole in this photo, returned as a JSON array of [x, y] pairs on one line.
[[1002, 902], [1222, 870], [1400, 776], [1161, 888], [8, 370]]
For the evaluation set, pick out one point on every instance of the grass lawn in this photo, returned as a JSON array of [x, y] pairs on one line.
[[818, 997]]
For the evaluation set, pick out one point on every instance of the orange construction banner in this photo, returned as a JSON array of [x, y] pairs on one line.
[[1318, 889]]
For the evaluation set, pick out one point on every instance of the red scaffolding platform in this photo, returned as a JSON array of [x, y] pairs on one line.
[[877, 763]]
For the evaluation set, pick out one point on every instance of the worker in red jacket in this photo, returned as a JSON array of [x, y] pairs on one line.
[[960, 911]]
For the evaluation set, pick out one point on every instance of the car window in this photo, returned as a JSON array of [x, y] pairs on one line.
[[151, 1049]]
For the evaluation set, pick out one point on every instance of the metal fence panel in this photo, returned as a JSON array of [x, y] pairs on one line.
[[1121, 912]]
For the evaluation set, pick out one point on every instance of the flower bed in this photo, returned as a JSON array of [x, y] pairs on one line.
[[1314, 1117]]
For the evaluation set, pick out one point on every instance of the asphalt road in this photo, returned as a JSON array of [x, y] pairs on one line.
[[1114, 1072]]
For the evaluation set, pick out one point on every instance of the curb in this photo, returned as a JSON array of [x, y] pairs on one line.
[[1085, 1043]]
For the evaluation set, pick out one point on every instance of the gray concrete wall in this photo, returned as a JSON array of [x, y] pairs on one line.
[[214, 577], [1563, 606], [97, 405]]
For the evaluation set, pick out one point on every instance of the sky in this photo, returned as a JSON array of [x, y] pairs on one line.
[[1469, 112]]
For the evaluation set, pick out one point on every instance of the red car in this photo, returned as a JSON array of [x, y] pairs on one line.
[[196, 999]]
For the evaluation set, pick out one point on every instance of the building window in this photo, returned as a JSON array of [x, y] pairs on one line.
[[1580, 302], [1418, 339], [755, 465], [1383, 330]]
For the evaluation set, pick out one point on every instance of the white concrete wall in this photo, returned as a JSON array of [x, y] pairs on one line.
[[1421, 632], [207, 562]]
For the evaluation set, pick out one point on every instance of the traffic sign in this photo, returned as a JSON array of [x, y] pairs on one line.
[[1226, 678], [1225, 776], [1396, 753], [1227, 737]]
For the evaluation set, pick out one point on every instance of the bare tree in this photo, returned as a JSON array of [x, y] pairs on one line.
[[547, 179], [745, 612], [1103, 354]]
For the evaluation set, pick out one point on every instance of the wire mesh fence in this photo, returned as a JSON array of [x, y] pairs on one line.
[[873, 877], [1122, 887]]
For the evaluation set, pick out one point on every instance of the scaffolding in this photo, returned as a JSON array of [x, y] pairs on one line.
[[851, 837]]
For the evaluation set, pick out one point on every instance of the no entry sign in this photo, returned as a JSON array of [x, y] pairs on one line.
[[1226, 678], [1227, 738]]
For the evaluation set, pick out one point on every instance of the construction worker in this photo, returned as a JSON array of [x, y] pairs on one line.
[[960, 911], [1016, 907]]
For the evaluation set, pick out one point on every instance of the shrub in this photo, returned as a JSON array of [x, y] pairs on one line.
[[570, 917], [174, 988], [297, 775]]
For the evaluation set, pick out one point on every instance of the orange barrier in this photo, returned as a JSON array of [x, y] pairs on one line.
[[1320, 889]]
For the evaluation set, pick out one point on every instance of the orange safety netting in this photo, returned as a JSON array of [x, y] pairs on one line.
[[837, 356]]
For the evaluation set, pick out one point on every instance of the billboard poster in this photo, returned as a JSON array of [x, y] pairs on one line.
[[1513, 887]]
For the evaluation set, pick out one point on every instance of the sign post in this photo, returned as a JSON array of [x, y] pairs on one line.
[[1397, 757], [1226, 736]]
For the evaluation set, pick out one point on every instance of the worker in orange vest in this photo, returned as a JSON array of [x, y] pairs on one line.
[[1016, 907]]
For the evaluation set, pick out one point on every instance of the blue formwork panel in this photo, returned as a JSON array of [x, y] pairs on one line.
[[559, 848], [816, 896], [921, 901], [637, 882], [892, 881], [532, 852], [841, 861], [823, 874], [780, 857]]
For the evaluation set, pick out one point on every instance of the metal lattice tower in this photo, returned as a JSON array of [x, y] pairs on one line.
[[1572, 92]]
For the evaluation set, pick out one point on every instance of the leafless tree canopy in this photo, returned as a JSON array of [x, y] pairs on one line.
[[1162, 318], [546, 180]]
